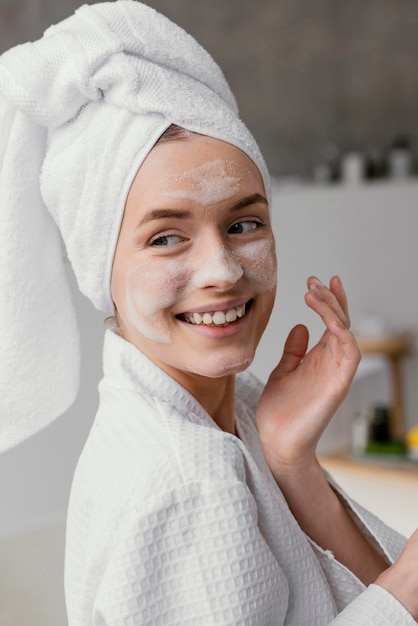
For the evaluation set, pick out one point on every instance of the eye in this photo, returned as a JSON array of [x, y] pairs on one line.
[[166, 240], [244, 227]]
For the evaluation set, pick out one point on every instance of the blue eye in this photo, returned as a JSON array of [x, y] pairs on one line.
[[166, 240], [244, 227]]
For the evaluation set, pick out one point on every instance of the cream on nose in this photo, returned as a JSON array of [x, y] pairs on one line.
[[218, 268]]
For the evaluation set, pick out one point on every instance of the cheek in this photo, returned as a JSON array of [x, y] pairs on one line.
[[149, 292], [258, 260], [153, 287]]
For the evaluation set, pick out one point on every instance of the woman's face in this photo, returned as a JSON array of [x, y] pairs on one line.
[[194, 272]]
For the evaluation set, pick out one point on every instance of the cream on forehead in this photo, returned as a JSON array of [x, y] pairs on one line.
[[207, 184]]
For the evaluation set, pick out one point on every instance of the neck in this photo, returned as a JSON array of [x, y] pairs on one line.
[[216, 395], [217, 398]]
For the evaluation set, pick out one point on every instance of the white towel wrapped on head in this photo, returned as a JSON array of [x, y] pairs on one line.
[[79, 111]]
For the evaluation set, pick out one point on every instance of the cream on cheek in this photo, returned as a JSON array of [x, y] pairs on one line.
[[258, 259], [150, 290], [257, 262]]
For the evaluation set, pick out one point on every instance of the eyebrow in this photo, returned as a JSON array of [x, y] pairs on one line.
[[158, 214], [255, 198]]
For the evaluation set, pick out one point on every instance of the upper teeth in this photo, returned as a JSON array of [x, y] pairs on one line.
[[217, 317]]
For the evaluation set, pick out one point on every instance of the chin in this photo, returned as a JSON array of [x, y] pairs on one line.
[[226, 367]]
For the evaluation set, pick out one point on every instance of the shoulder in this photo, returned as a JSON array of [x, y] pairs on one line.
[[138, 448]]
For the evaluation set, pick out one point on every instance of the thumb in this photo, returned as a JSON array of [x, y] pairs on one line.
[[294, 350]]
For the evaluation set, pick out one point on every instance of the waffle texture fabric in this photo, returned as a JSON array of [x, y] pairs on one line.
[[80, 109], [173, 522]]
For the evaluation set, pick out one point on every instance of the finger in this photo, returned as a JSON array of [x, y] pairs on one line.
[[327, 295], [337, 338], [324, 310], [344, 341], [323, 301], [338, 290], [294, 350]]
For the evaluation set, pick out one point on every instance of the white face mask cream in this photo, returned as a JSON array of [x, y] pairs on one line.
[[155, 287], [208, 184], [194, 271], [220, 267], [151, 288], [259, 260]]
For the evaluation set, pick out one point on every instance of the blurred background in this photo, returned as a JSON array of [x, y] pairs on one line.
[[329, 88], [307, 76]]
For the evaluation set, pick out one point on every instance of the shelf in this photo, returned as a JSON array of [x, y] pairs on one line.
[[387, 489], [294, 186], [384, 467]]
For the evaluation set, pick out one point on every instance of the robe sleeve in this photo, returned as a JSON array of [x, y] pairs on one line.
[[373, 605]]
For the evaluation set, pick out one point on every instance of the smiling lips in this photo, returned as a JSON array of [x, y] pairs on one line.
[[216, 318]]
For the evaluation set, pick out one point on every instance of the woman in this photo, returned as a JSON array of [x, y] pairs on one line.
[[182, 511]]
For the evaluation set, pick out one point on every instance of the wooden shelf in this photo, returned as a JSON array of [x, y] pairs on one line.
[[389, 489], [394, 348], [385, 467]]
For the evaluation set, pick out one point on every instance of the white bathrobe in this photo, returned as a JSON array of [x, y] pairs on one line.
[[174, 522]]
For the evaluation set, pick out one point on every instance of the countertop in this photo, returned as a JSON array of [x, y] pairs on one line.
[[387, 488]]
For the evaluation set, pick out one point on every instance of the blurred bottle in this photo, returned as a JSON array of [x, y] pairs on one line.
[[412, 443], [359, 433], [400, 158], [353, 168], [327, 168], [379, 425], [375, 167]]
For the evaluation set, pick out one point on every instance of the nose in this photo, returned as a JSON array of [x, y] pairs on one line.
[[218, 268]]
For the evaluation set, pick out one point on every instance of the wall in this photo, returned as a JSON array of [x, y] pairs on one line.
[[304, 73], [35, 477]]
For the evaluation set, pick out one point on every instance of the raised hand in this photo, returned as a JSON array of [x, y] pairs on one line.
[[306, 388]]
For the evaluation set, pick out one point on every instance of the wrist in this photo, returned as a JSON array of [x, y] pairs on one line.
[[305, 487], [323, 515], [398, 585], [288, 462], [294, 470]]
